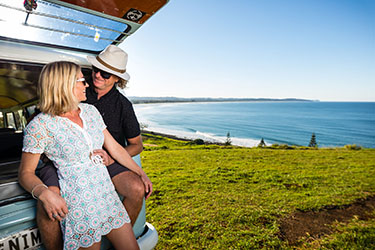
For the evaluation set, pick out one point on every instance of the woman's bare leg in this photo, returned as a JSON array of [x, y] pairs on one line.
[[123, 238], [95, 246]]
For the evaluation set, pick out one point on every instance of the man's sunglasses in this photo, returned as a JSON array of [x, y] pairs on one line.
[[104, 74]]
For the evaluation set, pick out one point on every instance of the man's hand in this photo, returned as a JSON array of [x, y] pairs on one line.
[[54, 204], [148, 185], [107, 160]]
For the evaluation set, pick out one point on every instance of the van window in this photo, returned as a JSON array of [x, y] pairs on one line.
[[11, 121], [54, 24], [18, 95], [15, 120], [1, 120], [30, 111]]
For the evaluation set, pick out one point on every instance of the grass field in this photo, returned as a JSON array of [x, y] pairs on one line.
[[225, 197]]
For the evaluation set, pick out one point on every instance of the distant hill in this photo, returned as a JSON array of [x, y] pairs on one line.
[[138, 100]]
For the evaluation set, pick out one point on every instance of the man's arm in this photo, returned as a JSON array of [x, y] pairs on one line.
[[122, 157], [135, 145], [131, 129]]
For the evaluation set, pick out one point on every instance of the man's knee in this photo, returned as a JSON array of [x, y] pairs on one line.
[[138, 188], [128, 184]]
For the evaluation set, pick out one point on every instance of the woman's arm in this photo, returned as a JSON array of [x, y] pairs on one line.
[[134, 147], [123, 157], [52, 203]]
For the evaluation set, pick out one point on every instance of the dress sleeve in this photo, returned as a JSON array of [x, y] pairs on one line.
[[35, 138]]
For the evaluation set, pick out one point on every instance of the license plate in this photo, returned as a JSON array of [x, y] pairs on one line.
[[27, 239]]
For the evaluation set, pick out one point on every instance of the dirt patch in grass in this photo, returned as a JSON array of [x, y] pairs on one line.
[[150, 145], [318, 223]]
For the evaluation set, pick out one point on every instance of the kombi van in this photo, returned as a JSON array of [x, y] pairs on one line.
[[32, 34]]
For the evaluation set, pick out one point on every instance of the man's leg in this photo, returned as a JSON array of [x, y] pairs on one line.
[[129, 185], [49, 230]]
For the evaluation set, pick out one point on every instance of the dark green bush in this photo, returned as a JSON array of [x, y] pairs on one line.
[[198, 142], [352, 147]]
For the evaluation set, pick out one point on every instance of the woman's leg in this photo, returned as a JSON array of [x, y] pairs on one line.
[[123, 238], [95, 246]]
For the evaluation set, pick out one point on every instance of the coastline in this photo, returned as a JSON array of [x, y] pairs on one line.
[[174, 137], [165, 135], [206, 138], [161, 100]]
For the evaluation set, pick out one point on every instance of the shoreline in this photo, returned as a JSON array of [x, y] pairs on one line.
[[174, 137], [165, 135], [279, 146], [207, 140]]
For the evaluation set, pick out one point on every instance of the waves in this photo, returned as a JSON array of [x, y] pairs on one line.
[[192, 134]]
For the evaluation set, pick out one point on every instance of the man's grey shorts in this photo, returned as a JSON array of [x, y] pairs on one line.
[[48, 173]]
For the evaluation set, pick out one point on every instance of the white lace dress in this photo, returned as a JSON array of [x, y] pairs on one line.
[[94, 206]]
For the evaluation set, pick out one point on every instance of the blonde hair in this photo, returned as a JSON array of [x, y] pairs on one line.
[[55, 88]]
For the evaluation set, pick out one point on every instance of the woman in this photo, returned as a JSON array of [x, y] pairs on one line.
[[67, 132]]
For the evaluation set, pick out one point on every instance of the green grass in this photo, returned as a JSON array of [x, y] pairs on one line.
[[225, 197]]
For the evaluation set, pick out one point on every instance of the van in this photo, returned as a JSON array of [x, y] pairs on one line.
[[34, 33]]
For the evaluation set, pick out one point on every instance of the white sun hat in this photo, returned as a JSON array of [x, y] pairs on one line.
[[112, 60]]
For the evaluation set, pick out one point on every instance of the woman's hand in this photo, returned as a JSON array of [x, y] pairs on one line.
[[148, 185], [53, 203], [107, 160]]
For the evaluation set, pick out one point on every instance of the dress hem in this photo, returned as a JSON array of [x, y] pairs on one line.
[[125, 221]]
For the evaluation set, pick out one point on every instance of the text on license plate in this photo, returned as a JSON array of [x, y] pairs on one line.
[[27, 239]]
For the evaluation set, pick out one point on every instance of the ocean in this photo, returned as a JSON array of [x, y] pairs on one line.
[[335, 124]]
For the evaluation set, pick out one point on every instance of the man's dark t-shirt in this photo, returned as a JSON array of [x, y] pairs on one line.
[[115, 109]]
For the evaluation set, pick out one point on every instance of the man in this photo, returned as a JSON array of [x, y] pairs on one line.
[[108, 71]]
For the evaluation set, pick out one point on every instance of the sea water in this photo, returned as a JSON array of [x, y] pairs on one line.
[[334, 124]]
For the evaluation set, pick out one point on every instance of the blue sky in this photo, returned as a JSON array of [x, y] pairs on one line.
[[314, 49]]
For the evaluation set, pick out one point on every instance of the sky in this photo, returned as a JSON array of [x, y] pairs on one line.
[[311, 49]]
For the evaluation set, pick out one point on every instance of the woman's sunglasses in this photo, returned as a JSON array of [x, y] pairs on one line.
[[104, 74]]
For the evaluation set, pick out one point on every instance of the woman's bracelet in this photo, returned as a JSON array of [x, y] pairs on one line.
[[32, 191]]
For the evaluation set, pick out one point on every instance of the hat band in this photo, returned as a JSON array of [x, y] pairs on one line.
[[109, 66]]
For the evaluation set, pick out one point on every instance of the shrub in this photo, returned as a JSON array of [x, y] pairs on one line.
[[281, 146], [228, 141], [198, 142], [262, 143], [313, 143], [352, 147]]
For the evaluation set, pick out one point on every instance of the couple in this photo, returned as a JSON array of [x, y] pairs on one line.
[[71, 134]]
